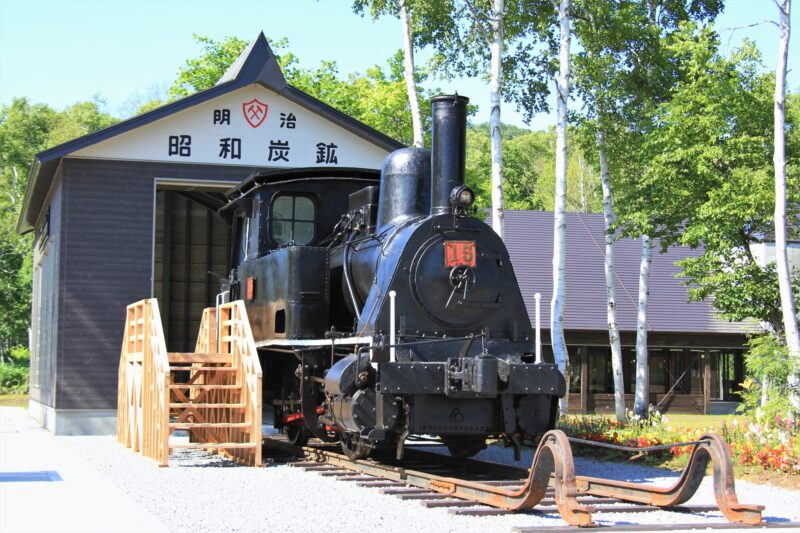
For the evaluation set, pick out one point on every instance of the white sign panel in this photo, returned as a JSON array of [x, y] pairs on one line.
[[252, 126]]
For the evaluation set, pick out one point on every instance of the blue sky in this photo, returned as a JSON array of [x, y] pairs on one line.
[[62, 51]]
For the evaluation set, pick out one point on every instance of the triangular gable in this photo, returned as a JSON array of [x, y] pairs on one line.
[[252, 126]]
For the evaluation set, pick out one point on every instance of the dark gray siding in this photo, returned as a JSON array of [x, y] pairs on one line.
[[106, 260], [529, 237], [45, 308]]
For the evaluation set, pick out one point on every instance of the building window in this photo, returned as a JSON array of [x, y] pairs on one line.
[[292, 220], [600, 376]]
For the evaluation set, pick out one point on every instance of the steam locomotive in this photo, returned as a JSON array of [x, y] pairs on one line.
[[381, 309]]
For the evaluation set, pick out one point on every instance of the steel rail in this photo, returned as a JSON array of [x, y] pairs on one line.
[[553, 461]]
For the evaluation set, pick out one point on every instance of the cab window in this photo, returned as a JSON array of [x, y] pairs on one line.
[[241, 248], [292, 219]]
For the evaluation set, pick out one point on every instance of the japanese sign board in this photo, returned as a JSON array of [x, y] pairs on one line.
[[252, 126]]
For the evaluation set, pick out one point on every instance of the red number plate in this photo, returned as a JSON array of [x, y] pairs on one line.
[[459, 253], [250, 287]]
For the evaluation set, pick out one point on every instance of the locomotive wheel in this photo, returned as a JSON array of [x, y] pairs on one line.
[[354, 447], [463, 447], [296, 434]]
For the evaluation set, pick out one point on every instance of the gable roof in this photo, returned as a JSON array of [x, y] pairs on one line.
[[256, 64], [529, 238]]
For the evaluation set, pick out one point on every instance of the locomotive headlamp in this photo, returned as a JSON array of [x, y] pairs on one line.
[[462, 196]]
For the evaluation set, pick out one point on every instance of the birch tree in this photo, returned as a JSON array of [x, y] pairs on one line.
[[560, 216], [779, 162], [495, 85], [641, 398], [604, 79], [408, 72], [401, 9]]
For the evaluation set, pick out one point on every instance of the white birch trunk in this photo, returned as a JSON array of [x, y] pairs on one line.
[[640, 404], [560, 222], [611, 290], [764, 391], [779, 160], [498, 222], [408, 73]]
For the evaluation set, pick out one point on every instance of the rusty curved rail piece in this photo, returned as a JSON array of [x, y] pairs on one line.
[[553, 460], [553, 457], [712, 447]]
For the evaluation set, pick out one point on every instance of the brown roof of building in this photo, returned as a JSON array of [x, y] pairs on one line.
[[529, 238]]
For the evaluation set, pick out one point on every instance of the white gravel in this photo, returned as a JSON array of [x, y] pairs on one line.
[[199, 492]]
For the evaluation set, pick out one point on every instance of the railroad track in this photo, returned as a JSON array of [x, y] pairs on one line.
[[551, 488]]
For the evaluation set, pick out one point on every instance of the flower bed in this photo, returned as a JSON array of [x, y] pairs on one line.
[[769, 445]]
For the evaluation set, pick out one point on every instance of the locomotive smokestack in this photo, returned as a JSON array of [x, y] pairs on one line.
[[448, 143]]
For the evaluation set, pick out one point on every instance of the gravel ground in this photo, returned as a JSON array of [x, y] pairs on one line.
[[199, 492]]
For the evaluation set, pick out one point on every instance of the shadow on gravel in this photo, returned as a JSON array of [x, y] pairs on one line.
[[622, 471], [197, 459]]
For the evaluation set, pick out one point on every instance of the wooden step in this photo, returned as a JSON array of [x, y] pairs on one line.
[[191, 357], [207, 405], [221, 425], [214, 445], [202, 386]]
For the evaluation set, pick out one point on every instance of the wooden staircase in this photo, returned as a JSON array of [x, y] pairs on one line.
[[214, 393]]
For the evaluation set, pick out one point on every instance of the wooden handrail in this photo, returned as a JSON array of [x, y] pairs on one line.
[[143, 392], [234, 326]]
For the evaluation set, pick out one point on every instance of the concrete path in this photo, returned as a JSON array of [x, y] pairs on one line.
[[48, 487]]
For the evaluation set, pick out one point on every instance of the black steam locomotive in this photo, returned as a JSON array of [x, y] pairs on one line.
[[381, 309]]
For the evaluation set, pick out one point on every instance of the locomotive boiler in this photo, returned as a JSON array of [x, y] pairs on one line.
[[382, 309]]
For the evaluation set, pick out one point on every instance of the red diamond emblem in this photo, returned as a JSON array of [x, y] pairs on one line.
[[254, 112]]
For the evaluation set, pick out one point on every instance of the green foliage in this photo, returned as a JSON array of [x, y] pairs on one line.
[[529, 171], [20, 355], [13, 378], [708, 179], [203, 72], [459, 33], [378, 98], [767, 361]]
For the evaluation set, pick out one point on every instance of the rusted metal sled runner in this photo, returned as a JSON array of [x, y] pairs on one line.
[[553, 465]]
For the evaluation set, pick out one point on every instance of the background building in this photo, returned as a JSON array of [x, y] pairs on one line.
[[696, 358]]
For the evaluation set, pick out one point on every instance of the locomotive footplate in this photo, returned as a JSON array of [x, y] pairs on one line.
[[471, 377]]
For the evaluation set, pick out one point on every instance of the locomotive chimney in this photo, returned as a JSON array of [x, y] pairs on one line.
[[448, 143]]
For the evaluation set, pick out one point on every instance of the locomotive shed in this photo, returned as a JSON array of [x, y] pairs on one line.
[[129, 212]]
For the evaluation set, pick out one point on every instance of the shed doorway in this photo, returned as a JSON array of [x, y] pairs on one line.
[[190, 255]]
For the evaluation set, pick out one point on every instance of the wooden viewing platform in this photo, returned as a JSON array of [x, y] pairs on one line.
[[213, 392]]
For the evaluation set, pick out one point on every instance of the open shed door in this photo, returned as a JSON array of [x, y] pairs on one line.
[[191, 249]]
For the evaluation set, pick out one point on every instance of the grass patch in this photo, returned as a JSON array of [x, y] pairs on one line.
[[13, 400], [710, 422]]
